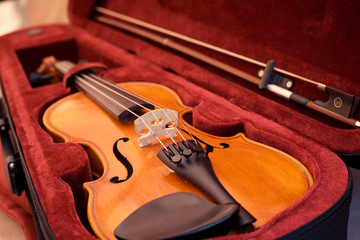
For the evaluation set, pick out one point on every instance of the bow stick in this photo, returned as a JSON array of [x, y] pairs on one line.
[[340, 105]]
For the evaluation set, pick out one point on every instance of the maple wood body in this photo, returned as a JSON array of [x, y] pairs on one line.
[[262, 179]]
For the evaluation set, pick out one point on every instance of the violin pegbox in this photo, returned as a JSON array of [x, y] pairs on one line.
[[156, 123]]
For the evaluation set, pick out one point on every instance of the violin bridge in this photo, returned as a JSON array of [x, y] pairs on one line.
[[160, 123]]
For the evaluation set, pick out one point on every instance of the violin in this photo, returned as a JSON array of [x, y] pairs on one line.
[[150, 163]]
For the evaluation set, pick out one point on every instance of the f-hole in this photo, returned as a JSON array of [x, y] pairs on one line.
[[123, 160]]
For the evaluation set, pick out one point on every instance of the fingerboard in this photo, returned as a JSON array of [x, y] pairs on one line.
[[116, 101]]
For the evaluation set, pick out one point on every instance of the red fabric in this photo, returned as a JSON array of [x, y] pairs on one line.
[[79, 68], [223, 105]]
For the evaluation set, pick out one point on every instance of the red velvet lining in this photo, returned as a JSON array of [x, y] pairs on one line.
[[79, 68], [307, 30], [59, 169]]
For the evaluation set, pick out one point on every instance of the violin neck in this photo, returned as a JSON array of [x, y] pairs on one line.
[[116, 101]]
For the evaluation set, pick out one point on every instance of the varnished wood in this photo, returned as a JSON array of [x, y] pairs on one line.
[[264, 180]]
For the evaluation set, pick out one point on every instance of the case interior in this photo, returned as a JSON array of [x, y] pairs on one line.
[[299, 39]]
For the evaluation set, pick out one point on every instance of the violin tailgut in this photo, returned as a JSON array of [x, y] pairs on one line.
[[157, 123]]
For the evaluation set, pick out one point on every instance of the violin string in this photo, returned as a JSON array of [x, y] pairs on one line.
[[182, 123], [89, 85], [89, 76], [95, 79], [144, 99], [159, 106], [113, 100]]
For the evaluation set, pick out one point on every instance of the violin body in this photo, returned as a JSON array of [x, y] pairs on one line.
[[262, 179]]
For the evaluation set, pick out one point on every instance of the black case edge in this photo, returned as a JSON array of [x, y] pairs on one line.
[[40, 221]]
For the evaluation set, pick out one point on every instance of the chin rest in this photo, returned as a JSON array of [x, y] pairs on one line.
[[178, 215]]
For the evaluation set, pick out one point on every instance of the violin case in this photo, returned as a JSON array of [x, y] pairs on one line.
[[42, 189]]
